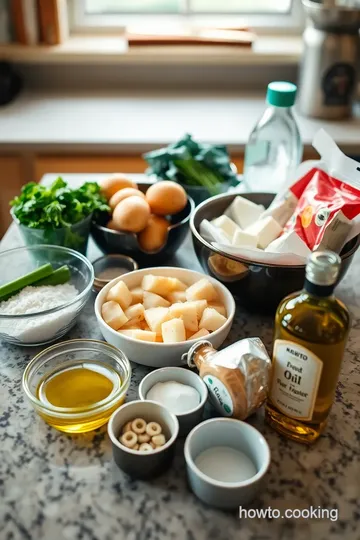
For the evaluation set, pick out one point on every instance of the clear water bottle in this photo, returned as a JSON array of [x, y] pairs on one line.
[[274, 148]]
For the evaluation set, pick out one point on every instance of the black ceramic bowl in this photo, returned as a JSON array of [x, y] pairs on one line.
[[259, 287], [110, 241]]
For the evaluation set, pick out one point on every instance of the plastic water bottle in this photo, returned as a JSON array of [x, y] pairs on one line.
[[274, 149]]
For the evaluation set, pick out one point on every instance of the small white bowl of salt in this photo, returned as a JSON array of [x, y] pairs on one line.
[[181, 391], [227, 461]]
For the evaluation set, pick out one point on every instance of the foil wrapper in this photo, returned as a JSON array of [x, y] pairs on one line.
[[243, 373]]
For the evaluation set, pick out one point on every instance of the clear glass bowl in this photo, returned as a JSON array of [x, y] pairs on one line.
[[45, 326], [66, 355]]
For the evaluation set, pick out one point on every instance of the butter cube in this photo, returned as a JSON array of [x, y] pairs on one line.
[[143, 335], [113, 315], [173, 331], [210, 233], [155, 317], [242, 238], [137, 295], [200, 334], [244, 212], [120, 293], [135, 313], [201, 290], [151, 300], [188, 313], [176, 296], [211, 320], [266, 229], [227, 225]]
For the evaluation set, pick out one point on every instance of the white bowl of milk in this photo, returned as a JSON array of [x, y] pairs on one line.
[[227, 461]]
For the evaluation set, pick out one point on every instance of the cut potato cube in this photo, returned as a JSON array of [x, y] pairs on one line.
[[211, 319], [133, 324], [159, 339], [201, 333], [155, 317], [143, 335], [220, 308], [188, 313], [137, 295], [162, 285], [202, 290], [144, 326], [113, 315], [154, 300], [135, 312], [176, 296], [173, 331], [200, 306], [178, 285], [120, 293]]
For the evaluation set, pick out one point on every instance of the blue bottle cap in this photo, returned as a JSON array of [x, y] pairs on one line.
[[281, 94]]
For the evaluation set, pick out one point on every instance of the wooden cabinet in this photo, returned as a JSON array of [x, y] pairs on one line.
[[87, 164], [11, 180]]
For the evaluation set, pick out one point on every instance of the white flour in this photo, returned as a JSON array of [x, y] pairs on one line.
[[34, 300]]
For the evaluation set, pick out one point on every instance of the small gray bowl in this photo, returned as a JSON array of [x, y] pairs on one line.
[[143, 465], [192, 417]]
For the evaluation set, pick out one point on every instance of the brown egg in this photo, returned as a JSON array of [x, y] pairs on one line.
[[154, 236], [131, 214], [123, 194], [111, 225], [166, 197], [115, 182]]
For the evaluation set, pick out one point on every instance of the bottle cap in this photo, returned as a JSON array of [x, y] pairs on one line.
[[323, 268], [281, 94]]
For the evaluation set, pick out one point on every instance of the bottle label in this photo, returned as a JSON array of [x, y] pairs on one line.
[[219, 395], [295, 379]]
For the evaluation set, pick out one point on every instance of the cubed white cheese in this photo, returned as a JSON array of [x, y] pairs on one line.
[[242, 238], [289, 242], [244, 212], [210, 233], [266, 229], [227, 225], [173, 331]]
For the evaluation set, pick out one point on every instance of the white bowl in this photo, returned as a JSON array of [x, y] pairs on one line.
[[190, 418], [162, 354], [233, 434]]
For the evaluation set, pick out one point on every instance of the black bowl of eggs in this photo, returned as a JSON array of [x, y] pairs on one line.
[[148, 221]]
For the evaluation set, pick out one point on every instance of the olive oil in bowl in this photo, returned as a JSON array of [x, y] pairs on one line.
[[76, 385]]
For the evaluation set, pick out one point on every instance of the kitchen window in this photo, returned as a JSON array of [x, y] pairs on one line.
[[285, 15]]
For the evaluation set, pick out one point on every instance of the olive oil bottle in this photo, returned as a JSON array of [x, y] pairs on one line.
[[311, 328]]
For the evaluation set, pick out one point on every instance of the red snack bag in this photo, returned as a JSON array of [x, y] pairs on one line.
[[324, 200]]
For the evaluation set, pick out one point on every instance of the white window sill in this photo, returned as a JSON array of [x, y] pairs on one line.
[[267, 50]]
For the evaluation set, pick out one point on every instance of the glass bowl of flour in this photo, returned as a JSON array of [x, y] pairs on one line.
[[41, 314]]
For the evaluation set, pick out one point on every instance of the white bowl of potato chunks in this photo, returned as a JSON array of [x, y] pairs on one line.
[[154, 315]]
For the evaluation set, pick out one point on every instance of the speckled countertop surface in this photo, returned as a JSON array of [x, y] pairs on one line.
[[54, 486]]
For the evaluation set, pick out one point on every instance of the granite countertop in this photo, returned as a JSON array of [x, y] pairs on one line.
[[123, 121], [55, 486]]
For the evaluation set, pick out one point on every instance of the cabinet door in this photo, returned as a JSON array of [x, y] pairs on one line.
[[10, 183], [88, 164]]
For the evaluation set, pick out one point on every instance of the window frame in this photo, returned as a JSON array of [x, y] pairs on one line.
[[82, 23]]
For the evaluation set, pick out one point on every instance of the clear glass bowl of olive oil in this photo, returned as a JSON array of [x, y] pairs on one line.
[[76, 385]]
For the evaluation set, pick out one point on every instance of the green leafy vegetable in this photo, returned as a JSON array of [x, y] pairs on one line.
[[191, 163], [57, 206]]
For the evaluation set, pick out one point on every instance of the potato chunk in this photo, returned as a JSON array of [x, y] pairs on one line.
[[202, 290], [200, 305], [155, 317], [137, 295], [201, 333], [211, 319], [173, 331], [176, 296], [187, 312], [161, 285], [154, 300], [143, 335], [135, 312], [120, 293], [219, 307], [113, 315]]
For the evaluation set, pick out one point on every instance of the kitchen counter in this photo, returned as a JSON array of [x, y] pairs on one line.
[[54, 486], [124, 121]]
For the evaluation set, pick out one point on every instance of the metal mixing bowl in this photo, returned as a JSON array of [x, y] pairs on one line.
[[259, 287]]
